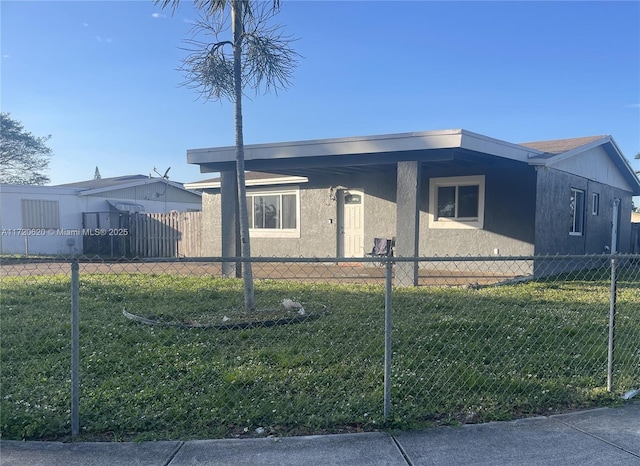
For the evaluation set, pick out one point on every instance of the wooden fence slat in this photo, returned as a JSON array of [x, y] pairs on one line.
[[189, 234], [171, 234]]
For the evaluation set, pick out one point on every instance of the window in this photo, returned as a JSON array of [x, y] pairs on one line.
[[273, 213], [352, 198], [37, 213], [595, 204], [577, 212], [456, 202]]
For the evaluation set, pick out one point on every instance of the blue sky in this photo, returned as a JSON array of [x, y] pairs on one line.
[[102, 79]]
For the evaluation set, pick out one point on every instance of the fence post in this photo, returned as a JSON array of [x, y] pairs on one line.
[[612, 324], [612, 297], [75, 349], [387, 339]]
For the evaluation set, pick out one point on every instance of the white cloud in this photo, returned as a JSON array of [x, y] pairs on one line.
[[6, 55], [85, 25], [158, 15], [633, 105]]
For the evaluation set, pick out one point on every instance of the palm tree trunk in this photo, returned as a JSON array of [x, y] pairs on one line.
[[247, 273]]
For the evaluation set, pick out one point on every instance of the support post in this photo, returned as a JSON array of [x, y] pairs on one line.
[[75, 349], [613, 293], [229, 222], [612, 325], [407, 222]]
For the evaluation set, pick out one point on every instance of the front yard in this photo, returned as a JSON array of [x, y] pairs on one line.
[[459, 355]]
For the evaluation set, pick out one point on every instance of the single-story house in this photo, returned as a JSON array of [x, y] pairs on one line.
[[438, 193], [61, 219]]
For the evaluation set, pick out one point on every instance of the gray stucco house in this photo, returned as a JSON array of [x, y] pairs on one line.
[[451, 192]]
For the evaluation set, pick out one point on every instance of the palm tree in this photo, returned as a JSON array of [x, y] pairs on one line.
[[209, 6], [247, 272], [270, 64]]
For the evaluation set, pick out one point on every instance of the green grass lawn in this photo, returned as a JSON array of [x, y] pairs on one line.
[[459, 355]]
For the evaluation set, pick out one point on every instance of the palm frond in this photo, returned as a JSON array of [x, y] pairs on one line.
[[267, 58]]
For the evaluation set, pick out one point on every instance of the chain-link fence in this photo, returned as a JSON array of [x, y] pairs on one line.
[[165, 349]]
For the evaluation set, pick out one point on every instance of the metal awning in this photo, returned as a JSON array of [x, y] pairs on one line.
[[125, 206]]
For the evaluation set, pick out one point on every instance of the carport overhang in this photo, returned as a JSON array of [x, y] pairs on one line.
[[406, 153], [357, 154]]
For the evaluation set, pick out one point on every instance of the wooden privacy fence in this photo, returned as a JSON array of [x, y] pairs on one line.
[[172, 234]]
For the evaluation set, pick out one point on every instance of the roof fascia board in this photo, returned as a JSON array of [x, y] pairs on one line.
[[256, 182], [571, 153], [612, 150], [626, 168], [6, 188], [497, 147], [332, 147], [445, 139], [89, 192]]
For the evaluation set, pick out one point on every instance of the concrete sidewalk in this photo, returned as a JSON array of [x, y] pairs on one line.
[[606, 436]]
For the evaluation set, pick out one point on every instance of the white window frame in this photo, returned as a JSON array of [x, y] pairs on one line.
[[274, 232], [595, 203], [573, 229], [475, 223]]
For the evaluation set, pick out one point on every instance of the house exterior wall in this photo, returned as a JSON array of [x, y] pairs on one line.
[[508, 228], [155, 192], [553, 215], [379, 207], [100, 204], [626, 227], [318, 224], [67, 239], [598, 227], [526, 213], [509, 224], [14, 240], [317, 236], [509, 206], [635, 238], [319, 221], [593, 164], [317, 227]]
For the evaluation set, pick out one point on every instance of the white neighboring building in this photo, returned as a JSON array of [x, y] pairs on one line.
[[54, 219]]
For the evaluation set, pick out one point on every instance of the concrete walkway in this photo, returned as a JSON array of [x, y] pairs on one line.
[[606, 436]]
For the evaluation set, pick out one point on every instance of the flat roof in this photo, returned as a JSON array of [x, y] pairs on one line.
[[364, 145], [336, 155]]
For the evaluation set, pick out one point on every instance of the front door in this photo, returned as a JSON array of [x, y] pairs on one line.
[[351, 231]]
